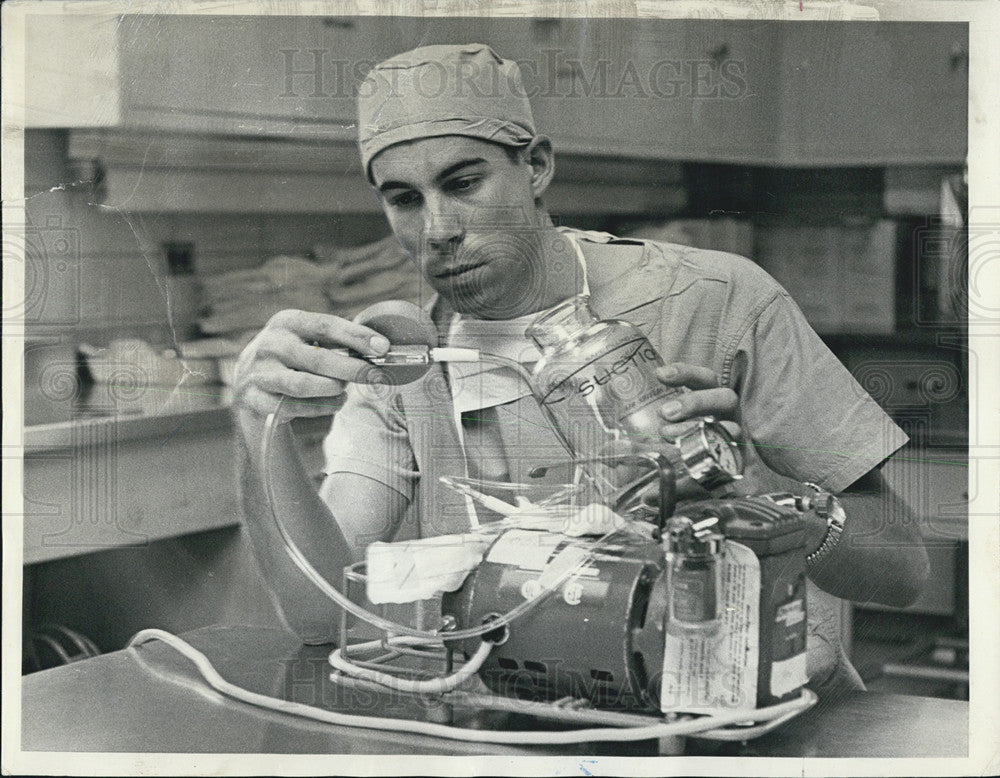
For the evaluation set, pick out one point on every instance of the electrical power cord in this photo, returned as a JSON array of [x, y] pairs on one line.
[[427, 686], [66, 644], [84, 644], [598, 734]]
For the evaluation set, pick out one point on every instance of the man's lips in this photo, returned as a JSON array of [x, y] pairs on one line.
[[457, 270]]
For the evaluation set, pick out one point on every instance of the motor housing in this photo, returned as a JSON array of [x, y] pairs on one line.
[[600, 635]]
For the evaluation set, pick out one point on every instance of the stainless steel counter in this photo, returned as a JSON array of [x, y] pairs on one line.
[[151, 699]]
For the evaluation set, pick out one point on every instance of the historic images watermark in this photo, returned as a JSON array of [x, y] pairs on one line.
[[48, 252], [553, 73]]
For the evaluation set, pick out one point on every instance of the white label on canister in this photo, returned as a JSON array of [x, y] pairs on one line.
[[718, 673], [788, 675]]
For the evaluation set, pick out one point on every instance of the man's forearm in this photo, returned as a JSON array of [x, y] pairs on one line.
[[305, 517], [880, 555]]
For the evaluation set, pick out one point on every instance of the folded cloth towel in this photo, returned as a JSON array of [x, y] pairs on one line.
[[277, 272], [254, 311], [245, 299], [352, 263], [359, 276], [342, 281], [411, 570]]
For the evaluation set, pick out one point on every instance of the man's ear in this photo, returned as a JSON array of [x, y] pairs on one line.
[[542, 161]]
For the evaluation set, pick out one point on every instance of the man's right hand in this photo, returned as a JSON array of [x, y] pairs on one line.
[[293, 356]]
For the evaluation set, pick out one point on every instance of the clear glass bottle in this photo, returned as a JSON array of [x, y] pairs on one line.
[[694, 575], [597, 381]]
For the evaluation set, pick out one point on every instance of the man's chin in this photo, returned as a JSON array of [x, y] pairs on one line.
[[490, 306], [500, 289]]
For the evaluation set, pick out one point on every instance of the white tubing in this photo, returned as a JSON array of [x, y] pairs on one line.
[[454, 354], [601, 734], [427, 686]]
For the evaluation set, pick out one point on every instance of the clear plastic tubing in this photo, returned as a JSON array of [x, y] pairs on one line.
[[310, 572]]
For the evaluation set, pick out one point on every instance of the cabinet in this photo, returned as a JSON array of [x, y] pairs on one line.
[[872, 93], [732, 107], [841, 275], [643, 88], [107, 489], [70, 68], [749, 91], [249, 75], [934, 484], [135, 522], [756, 92]]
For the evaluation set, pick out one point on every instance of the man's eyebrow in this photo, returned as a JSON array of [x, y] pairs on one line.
[[385, 186], [458, 166]]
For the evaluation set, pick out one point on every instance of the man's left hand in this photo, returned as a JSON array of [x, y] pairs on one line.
[[706, 397]]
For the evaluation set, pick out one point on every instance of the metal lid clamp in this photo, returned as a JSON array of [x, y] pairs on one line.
[[701, 538]]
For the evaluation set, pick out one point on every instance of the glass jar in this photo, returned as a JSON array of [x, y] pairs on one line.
[[596, 380]]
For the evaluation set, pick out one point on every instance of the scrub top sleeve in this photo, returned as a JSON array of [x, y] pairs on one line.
[[801, 408], [369, 437]]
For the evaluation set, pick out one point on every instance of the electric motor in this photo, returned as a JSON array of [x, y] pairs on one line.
[[600, 634]]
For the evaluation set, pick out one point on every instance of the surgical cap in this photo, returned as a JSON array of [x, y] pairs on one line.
[[443, 90]]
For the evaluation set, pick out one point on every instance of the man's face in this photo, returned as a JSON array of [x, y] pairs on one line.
[[465, 212]]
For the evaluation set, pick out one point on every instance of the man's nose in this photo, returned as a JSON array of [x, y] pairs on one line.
[[443, 231]]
